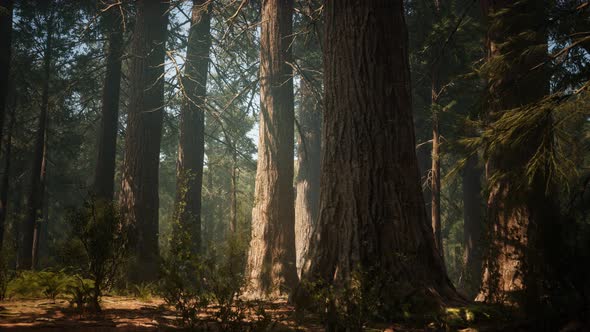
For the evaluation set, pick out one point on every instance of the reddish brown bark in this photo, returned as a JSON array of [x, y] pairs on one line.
[[515, 214], [139, 188], [271, 261], [372, 212], [307, 203]]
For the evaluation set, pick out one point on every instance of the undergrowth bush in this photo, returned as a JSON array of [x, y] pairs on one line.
[[144, 291], [47, 283], [35, 284], [366, 296], [81, 293], [196, 285], [104, 235], [6, 275]]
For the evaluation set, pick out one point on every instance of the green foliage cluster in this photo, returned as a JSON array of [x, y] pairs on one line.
[[5, 277], [366, 297], [51, 284], [82, 295], [211, 283], [105, 239], [28, 284]]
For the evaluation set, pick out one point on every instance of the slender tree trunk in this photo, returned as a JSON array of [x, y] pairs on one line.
[[37, 187], [372, 212], [191, 146], [139, 189], [473, 227], [435, 187], [5, 53], [515, 214], [5, 50], [271, 260], [424, 155], [233, 225], [104, 176], [6, 176], [308, 174], [41, 228]]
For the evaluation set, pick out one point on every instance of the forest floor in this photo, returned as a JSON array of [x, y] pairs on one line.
[[132, 314], [124, 314]]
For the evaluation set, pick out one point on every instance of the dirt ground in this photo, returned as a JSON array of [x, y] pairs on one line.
[[119, 314], [131, 314]]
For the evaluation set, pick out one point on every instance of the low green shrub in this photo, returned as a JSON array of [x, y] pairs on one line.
[[180, 289], [144, 291], [81, 293], [105, 238], [6, 275], [195, 284], [35, 284]]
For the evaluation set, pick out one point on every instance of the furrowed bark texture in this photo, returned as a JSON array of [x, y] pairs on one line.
[[104, 175], [372, 212], [191, 146], [308, 174], [516, 216], [271, 260], [139, 189]]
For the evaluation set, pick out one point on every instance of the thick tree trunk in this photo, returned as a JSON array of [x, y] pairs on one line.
[[472, 228], [104, 176], [37, 188], [271, 260], [139, 189], [5, 50], [308, 175], [372, 212], [191, 146], [515, 214]]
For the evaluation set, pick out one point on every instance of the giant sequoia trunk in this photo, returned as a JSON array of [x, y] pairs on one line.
[[271, 260], [31, 229], [5, 46], [191, 146], [516, 213], [104, 176], [139, 189], [308, 174], [372, 214]]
